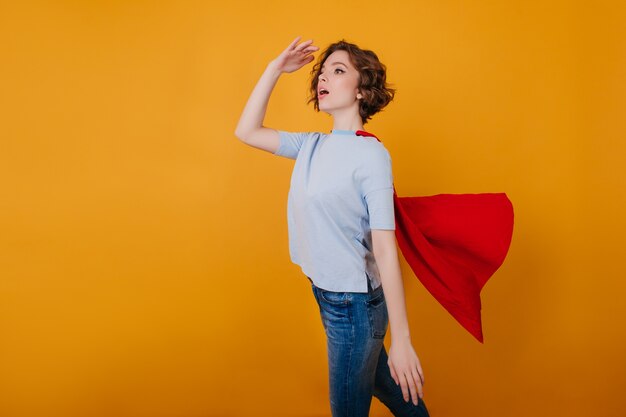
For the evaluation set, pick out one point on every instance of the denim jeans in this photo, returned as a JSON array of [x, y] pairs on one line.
[[355, 325]]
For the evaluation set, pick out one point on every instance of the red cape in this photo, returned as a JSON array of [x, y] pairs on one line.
[[454, 243]]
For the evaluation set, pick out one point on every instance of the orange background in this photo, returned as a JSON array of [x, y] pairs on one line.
[[143, 248]]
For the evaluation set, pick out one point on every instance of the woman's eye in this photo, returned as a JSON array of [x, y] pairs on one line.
[[336, 69]]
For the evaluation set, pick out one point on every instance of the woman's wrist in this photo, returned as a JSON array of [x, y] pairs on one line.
[[401, 337], [273, 68]]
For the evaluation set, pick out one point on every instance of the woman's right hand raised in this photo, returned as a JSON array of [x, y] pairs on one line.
[[295, 57]]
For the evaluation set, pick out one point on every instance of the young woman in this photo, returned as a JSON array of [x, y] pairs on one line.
[[341, 225]]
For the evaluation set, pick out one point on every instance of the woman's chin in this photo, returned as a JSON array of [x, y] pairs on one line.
[[327, 111]]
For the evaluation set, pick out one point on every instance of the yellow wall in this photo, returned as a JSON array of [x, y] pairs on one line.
[[144, 266]]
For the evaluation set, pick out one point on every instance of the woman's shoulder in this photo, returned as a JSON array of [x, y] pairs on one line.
[[375, 148]]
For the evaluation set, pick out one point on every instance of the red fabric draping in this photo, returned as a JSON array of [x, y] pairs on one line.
[[454, 243]]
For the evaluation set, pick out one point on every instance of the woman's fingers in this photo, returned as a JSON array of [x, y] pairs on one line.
[[295, 56], [421, 373], [303, 45], [414, 386], [295, 41], [393, 372], [417, 380], [310, 49], [304, 53], [405, 386], [406, 382], [307, 56]]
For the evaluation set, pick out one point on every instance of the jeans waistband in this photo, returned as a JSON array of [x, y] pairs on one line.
[[370, 289]]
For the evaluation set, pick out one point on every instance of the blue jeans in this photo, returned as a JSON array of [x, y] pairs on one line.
[[355, 326]]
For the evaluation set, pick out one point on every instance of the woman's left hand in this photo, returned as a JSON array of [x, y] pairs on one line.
[[406, 369]]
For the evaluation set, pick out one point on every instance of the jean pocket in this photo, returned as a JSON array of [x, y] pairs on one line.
[[360, 241], [378, 315], [334, 298]]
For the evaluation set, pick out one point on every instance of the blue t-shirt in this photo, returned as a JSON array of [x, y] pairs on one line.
[[341, 188]]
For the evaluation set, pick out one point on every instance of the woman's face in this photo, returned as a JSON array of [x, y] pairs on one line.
[[341, 80]]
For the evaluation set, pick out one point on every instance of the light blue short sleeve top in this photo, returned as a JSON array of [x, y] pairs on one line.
[[341, 188]]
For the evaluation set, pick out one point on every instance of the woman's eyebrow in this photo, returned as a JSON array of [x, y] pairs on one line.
[[336, 63]]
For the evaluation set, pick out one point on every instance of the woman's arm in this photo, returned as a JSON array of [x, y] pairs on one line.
[[404, 364], [386, 254], [250, 127]]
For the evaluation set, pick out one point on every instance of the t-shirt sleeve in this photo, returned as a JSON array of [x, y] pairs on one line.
[[377, 189], [290, 143]]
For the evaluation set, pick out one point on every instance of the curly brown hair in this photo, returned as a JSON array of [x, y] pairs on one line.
[[372, 78]]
